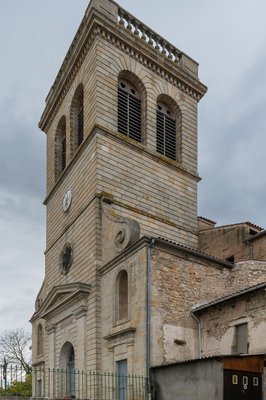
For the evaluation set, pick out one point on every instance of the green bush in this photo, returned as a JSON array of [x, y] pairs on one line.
[[18, 388]]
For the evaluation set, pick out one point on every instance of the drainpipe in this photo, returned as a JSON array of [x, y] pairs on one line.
[[148, 318], [199, 332]]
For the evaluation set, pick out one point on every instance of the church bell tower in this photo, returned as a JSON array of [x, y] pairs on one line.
[[121, 128]]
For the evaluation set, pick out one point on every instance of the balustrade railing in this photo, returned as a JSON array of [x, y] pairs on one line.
[[137, 28]]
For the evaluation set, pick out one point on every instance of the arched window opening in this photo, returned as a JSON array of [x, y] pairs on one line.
[[39, 340], [67, 365], [129, 110], [77, 117], [122, 286], [166, 131], [60, 147], [80, 121]]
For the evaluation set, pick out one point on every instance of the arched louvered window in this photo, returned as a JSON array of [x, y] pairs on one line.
[[122, 295], [77, 117], [60, 147], [80, 121], [129, 110], [166, 131]]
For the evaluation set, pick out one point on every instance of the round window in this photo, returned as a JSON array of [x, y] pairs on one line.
[[66, 258]]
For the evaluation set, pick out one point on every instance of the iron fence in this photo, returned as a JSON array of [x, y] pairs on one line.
[[70, 383]]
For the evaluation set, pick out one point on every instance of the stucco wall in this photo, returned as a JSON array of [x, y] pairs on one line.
[[198, 380], [218, 324]]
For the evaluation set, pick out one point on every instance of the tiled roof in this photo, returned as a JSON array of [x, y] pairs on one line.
[[207, 220], [241, 223], [229, 297], [197, 252], [207, 358]]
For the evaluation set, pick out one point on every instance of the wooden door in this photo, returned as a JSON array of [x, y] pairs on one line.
[[241, 385]]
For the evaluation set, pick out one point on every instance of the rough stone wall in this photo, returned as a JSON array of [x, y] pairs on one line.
[[178, 283], [218, 324], [225, 242], [245, 274], [258, 248]]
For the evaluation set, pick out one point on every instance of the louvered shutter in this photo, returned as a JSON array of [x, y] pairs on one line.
[[63, 154], [166, 135], [129, 115], [80, 118]]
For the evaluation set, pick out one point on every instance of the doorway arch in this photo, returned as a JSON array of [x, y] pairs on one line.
[[67, 366]]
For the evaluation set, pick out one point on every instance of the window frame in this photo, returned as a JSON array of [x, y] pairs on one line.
[[136, 83], [118, 319], [238, 340], [77, 126], [40, 339], [129, 110], [168, 128]]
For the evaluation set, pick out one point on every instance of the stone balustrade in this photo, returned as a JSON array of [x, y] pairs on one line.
[[142, 31]]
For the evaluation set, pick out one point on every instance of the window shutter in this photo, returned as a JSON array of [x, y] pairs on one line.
[[63, 154], [80, 117], [166, 135], [129, 115]]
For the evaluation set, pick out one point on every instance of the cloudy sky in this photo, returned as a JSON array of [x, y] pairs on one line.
[[227, 38]]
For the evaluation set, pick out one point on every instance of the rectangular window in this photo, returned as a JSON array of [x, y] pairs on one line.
[[242, 338]]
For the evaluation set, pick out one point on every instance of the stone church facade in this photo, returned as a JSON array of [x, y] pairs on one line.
[[127, 257]]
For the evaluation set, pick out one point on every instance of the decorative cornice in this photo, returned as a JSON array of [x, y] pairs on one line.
[[140, 244], [193, 87], [165, 68], [121, 332], [80, 312], [62, 295]]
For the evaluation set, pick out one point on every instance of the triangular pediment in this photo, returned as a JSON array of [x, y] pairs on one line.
[[60, 295]]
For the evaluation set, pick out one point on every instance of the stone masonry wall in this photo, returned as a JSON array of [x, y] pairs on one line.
[[181, 281], [125, 339], [178, 283]]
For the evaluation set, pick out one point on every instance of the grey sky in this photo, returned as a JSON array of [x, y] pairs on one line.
[[227, 38]]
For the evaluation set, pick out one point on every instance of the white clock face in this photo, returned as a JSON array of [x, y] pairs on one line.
[[67, 200]]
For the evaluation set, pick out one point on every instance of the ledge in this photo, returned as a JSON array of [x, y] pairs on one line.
[[111, 336]]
